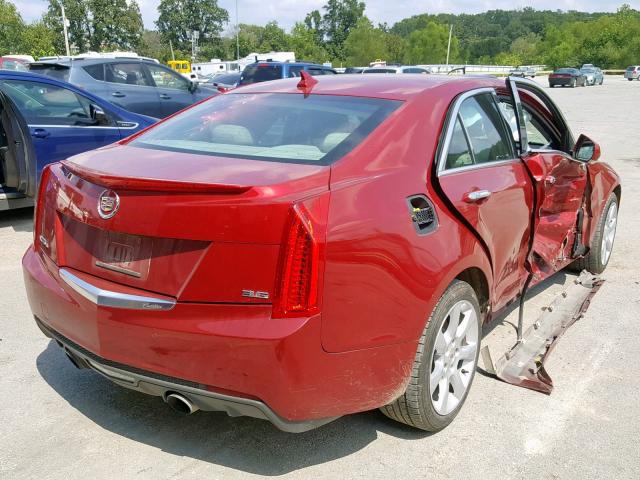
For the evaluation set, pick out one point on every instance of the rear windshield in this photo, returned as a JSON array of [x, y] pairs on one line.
[[288, 128], [260, 73], [631, 69], [566, 70]]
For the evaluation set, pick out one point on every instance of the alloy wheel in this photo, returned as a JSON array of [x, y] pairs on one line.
[[609, 233], [454, 357]]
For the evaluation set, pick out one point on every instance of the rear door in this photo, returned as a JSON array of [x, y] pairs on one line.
[[131, 87], [59, 120], [173, 89], [17, 158], [560, 180], [488, 186]]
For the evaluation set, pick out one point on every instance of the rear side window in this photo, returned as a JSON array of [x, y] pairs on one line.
[[126, 73], [96, 71], [288, 128], [294, 71], [260, 73], [479, 134]]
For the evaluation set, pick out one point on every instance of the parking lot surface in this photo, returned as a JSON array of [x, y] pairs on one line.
[[59, 422]]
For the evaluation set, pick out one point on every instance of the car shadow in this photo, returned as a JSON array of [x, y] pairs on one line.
[[20, 219], [246, 444]]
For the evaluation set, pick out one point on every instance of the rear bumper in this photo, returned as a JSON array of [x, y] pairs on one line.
[[161, 386], [562, 81], [234, 358]]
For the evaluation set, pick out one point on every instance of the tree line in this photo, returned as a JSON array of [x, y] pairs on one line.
[[339, 33]]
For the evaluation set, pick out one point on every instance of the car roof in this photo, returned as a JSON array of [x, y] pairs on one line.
[[392, 87], [69, 62], [297, 64]]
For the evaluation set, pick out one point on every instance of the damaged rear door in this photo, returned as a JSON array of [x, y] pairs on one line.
[[545, 143]]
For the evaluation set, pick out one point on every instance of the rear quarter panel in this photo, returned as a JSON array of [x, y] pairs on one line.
[[382, 280]]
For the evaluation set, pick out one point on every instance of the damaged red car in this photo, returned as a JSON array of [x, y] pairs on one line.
[[299, 250]]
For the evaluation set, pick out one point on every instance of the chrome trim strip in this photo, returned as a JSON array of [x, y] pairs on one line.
[[477, 166], [107, 298], [79, 126]]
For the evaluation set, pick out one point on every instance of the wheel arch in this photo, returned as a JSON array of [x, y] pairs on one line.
[[477, 279]]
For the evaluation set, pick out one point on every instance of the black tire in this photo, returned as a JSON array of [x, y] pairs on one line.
[[414, 407], [630, 79], [592, 261], [573, 83]]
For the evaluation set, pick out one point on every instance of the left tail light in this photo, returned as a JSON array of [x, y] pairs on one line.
[[44, 218], [302, 260]]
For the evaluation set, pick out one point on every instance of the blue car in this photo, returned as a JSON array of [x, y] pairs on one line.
[[266, 71], [43, 120]]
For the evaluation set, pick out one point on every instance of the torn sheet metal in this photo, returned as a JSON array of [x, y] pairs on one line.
[[523, 365]]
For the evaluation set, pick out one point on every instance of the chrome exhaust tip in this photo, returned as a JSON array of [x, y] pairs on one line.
[[179, 403]]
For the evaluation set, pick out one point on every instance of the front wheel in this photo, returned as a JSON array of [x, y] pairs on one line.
[[445, 363], [597, 259]]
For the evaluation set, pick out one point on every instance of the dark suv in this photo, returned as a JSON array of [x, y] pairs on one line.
[[140, 86], [265, 71]]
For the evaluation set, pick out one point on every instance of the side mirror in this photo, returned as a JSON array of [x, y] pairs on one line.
[[193, 86], [97, 115], [586, 150]]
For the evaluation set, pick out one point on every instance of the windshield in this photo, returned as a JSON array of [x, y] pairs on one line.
[[318, 129]]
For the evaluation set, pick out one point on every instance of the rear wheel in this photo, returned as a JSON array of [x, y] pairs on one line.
[[573, 83], [445, 363], [597, 259]]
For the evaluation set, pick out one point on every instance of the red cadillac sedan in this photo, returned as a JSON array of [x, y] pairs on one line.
[[300, 250]]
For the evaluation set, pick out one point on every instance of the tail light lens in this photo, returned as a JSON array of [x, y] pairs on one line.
[[44, 220], [301, 261]]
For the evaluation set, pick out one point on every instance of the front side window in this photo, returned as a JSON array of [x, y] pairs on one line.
[[45, 104], [165, 78], [126, 74], [538, 135], [288, 128]]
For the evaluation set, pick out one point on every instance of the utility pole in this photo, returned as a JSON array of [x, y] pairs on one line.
[[449, 45], [173, 57], [65, 24], [237, 34]]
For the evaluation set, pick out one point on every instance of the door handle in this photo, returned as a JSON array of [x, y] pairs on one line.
[[164, 96], [40, 133], [476, 196], [550, 180], [118, 94]]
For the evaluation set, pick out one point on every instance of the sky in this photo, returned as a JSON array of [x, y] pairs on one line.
[[287, 12]]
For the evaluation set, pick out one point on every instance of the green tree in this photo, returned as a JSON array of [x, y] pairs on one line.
[[11, 28], [77, 12], [303, 41], [37, 40], [365, 44], [333, 28], [429, 45], [179, 17], [115, 24], [273, 38]]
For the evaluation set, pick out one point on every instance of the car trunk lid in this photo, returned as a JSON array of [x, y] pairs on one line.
[[204, 229]]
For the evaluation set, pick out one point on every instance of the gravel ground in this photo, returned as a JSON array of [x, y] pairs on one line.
[[59, 422]]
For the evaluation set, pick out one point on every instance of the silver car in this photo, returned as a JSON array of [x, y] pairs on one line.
[[632, 73]]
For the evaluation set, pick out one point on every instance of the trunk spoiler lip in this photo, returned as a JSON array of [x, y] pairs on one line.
[[149, 184]]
